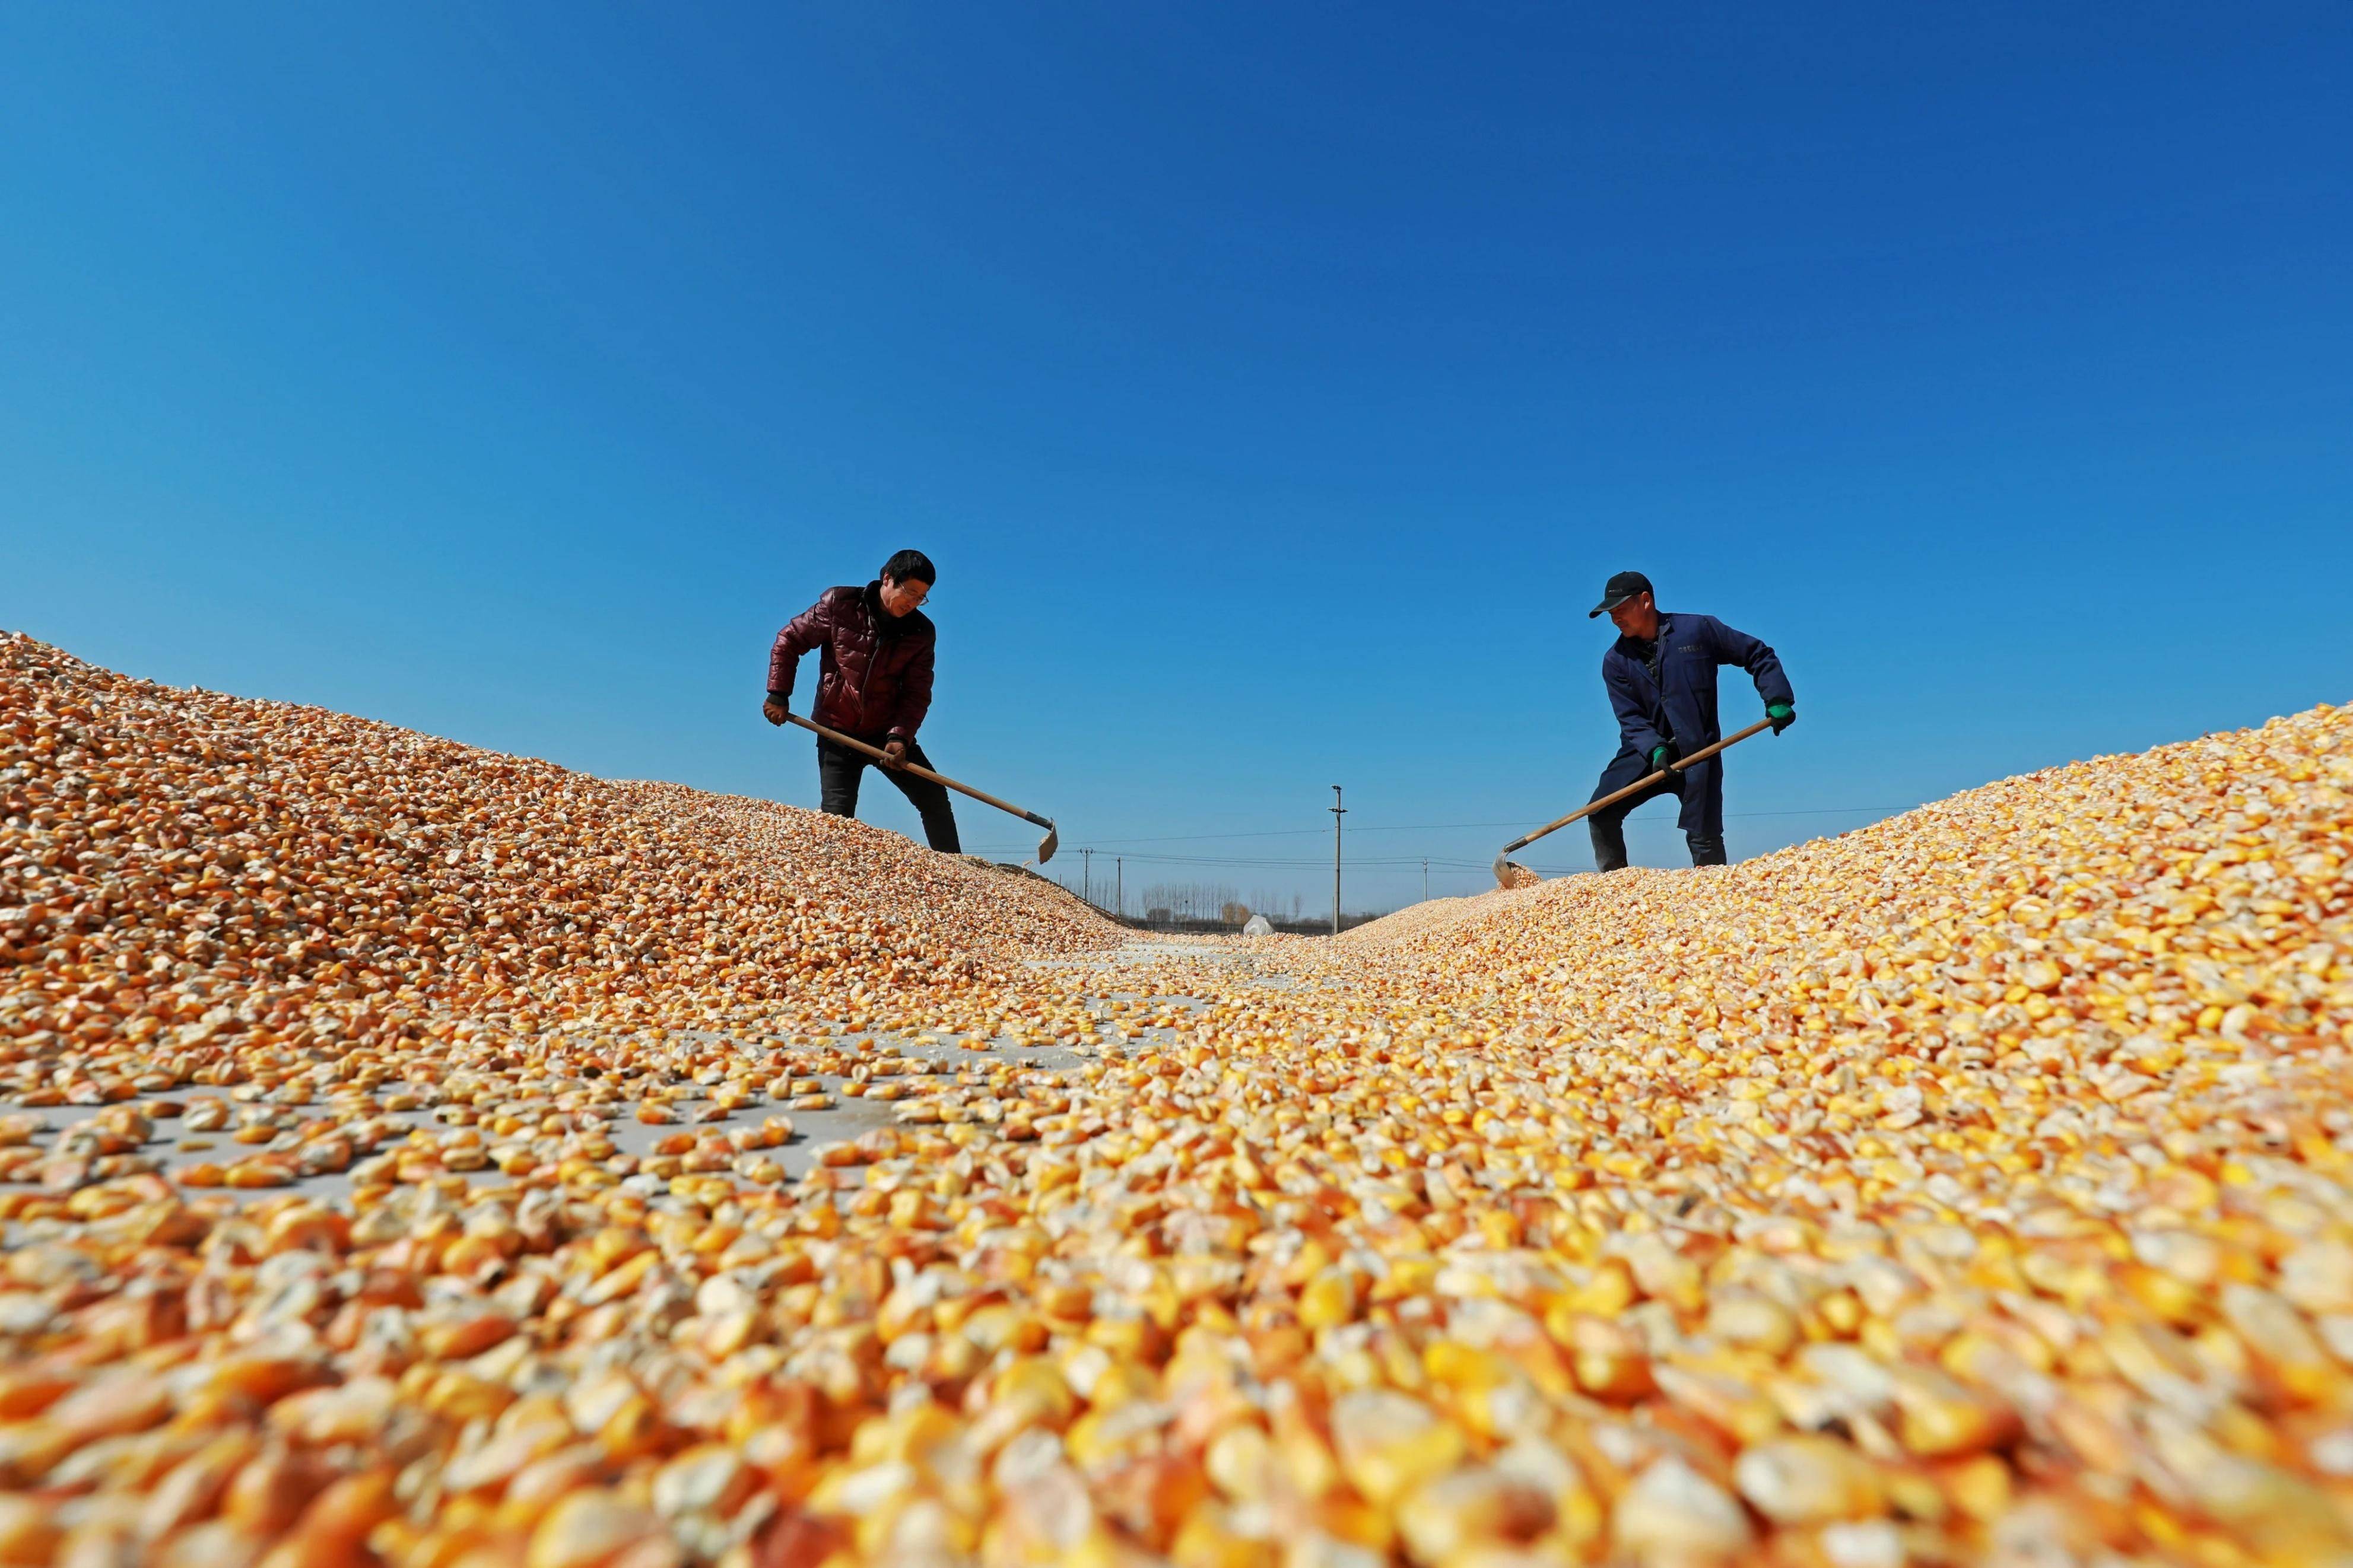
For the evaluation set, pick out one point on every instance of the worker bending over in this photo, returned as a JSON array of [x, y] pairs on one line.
[[874, 684], [1660, 673]]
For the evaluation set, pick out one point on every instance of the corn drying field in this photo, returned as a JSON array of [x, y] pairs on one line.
[[412, 1155]]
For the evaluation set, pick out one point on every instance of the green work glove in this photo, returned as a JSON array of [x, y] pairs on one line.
[[1661, 756], [1782, 714]]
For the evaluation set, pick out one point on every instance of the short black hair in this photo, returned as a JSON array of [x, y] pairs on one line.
[[910, 563]]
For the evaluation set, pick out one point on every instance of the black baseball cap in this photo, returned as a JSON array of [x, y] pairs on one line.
[[1620, 588]]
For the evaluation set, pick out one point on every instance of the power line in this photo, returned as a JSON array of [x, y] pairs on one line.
[[1400, 862], [1449, 827], [1388, 862]]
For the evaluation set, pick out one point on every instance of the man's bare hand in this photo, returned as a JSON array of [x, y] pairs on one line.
[[774, 711], [894, 755]]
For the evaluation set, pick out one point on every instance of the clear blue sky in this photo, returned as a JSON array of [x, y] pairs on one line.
[[1274, 386]]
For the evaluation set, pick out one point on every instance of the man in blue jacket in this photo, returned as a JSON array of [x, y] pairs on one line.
[[1660, 673]]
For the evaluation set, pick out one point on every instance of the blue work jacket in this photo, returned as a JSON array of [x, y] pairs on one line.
[[1675, 700]]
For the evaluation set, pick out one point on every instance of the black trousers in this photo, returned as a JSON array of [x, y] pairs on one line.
[[1700, 788], [838, 769]]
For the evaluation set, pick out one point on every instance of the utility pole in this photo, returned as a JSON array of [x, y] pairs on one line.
[[1087, 872], [1119, 880], [1425, 879], [1338, 811]]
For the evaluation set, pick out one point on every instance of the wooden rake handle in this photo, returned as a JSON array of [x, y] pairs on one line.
[[1636, 787]]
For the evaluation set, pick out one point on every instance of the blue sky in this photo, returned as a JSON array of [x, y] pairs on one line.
[[1275, 386]]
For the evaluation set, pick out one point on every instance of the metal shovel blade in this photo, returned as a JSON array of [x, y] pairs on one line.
[[1512, 874], [1052, 842]]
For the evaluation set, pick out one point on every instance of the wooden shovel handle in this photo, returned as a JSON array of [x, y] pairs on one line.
[[1638, 787], [921, 771]]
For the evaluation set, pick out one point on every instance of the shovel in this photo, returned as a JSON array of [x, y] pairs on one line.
[[1503, 866], [1045, 847]]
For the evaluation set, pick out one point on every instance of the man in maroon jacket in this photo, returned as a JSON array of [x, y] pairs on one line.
[[875, 682]]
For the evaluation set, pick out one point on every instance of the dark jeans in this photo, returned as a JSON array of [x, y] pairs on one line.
[[838, 771], [1700, 789]]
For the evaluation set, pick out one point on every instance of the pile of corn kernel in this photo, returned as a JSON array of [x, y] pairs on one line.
[[1970, 1188]]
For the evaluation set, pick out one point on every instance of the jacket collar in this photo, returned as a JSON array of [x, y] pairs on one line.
[[1627, 645], [885, 624]]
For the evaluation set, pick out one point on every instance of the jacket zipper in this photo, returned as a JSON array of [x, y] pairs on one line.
[[1659, 685]]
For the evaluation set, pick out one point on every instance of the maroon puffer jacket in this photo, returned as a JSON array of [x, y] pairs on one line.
[[874, 679]]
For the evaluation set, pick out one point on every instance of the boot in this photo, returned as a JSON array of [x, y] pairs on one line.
[[1608, 842]]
